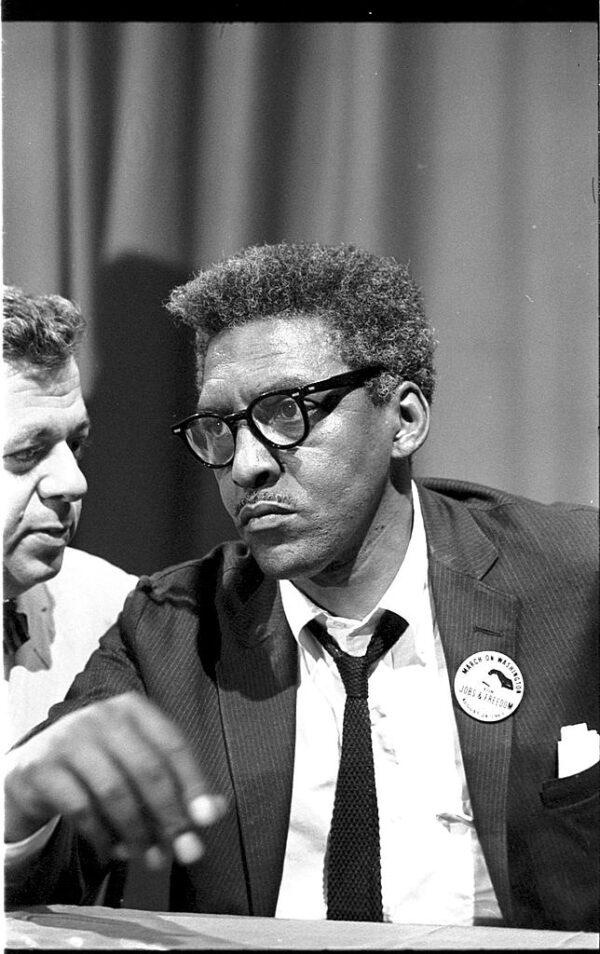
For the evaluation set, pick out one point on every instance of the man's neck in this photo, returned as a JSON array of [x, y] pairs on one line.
[[355, 590]]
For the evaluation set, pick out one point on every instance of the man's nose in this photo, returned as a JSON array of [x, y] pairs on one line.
[[254, 464], [62, 476]]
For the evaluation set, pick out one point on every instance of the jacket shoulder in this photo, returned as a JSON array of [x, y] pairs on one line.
[[559, 530], [189, 584], [482, 497]]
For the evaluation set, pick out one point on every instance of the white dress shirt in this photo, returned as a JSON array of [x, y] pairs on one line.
[[66, 617], [432, 866]]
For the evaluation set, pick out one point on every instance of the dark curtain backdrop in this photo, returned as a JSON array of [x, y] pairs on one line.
[[135, 153]]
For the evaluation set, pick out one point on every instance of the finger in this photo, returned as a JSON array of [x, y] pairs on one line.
[[121, 770], [54, 789], [92, 793], [159, 778], [201, 806], [115, 800], [129, 781]]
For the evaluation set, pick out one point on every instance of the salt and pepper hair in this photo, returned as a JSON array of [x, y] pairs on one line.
[[372, 306], [42, 331]]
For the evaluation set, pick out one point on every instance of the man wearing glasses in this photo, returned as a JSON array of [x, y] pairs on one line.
[[355, 711]]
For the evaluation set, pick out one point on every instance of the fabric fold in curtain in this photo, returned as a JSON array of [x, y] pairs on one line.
[[136, 153]]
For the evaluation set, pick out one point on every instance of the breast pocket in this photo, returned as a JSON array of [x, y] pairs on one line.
[[582, 790], [566, 850]]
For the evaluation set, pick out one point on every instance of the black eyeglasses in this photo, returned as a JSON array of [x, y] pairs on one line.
[[277, 418]]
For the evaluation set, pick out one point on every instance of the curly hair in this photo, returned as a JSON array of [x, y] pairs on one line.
[[372, 306], [39, 330]]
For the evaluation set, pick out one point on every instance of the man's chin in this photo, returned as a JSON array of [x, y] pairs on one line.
[[286, 561], [26, 577]]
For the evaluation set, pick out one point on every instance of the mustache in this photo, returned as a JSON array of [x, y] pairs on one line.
[[263, 496]]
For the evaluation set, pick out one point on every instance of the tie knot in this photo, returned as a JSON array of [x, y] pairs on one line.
[[354, 670], [354, 673]]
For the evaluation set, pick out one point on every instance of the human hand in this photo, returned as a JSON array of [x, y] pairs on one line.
[[122, 772]]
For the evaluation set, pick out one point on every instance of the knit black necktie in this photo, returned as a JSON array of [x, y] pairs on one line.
[[15, 631], [354, 861]]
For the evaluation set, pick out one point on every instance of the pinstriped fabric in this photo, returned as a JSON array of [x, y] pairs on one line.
[[208, 642], [215, 657], [522, 578], [179, 674], [473, 618], [257, 677]]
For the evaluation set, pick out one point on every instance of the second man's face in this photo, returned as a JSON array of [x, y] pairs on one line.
[[303, 511], [46, 428]]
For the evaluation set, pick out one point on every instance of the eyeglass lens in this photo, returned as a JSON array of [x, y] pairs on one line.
[[278, 417], [212, 439]]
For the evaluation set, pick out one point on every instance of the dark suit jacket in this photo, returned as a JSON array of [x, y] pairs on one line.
[[209, 643]]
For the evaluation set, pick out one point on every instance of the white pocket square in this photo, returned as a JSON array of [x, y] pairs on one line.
[[578, 749]]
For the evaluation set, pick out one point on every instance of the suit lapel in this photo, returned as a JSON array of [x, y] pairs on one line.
[[257, 679], [473, 616]]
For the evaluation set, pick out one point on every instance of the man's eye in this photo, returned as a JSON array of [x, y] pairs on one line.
[[276, 409], [78, 446], [26, 457], [214, 428], [286, 410]]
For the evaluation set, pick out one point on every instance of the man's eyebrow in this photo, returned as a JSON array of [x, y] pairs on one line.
[[290, 383], [209, 409], [42, 433], [31, 434], [82, 426]]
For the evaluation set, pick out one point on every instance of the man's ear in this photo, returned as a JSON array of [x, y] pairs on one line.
[[412, 420]]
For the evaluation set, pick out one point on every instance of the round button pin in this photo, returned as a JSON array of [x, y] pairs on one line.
[[489, 686]]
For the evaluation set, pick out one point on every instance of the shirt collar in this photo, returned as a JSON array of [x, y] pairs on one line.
[[403, 596]]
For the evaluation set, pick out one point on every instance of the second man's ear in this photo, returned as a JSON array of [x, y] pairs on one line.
[[413, 420]]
